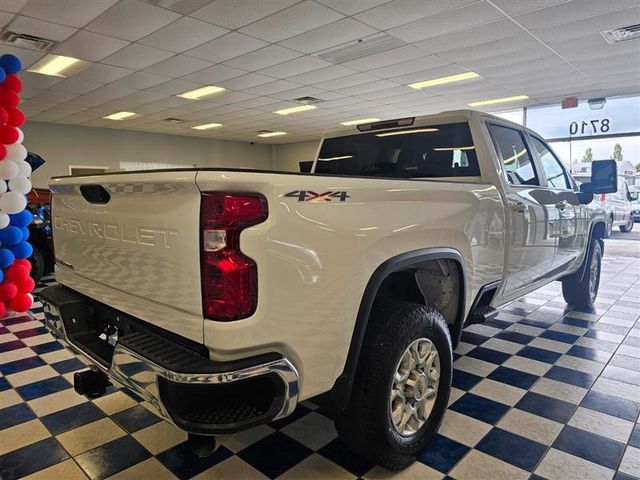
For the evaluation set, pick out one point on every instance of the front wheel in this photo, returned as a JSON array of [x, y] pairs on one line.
[[627, 227], [582, 292], [609, 228], [402, 385]]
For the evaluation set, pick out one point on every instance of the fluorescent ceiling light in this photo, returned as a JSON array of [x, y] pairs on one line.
[[343, 157], [207, 126], [120, 115], [301, 108], [442, 80], [498, 100], [271, 134], [358, 122], [407, 132], [449, 149], [58, 66], [201, 92]]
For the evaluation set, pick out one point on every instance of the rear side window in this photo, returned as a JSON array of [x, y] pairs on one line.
[[514, 155], [421, 152]]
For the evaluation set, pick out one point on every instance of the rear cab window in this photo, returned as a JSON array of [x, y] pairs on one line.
[[432, 151], [514, 155]]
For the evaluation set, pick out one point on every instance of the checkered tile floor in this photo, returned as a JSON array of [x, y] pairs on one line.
[[540, 392]]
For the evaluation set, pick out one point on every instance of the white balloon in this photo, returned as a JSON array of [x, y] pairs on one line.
[[3, 186], [20, 137], [20, 184], [12, 202], [4, 220], [16, 152], [8, 169], [24, 169]]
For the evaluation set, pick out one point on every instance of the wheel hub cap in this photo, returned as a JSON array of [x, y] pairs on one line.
[[415, 387]]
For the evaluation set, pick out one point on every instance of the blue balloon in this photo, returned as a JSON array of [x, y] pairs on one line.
[[11, 235], [22, 219], [6, 257], [10, 63], [22, 249], [3, 74], [1, 275], [25, 233]]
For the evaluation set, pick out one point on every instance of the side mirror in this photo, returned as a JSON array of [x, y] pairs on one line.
[[604, 177]]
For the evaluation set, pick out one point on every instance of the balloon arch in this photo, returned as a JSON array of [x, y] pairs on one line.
[[15, 283]]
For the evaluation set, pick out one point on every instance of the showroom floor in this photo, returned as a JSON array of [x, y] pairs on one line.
[[539, 392]]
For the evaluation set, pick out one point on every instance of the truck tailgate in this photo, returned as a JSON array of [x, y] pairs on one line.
[[139, 250]]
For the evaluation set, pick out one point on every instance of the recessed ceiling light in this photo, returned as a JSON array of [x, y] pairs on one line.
[[442, 80], [271, 134], [301, 108], [498, 100], [121, 115], [58, 66], [407, 132], [358, 122], [201, 92], [207, 126]]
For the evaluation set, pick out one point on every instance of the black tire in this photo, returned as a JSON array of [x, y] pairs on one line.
[[37, 264], [628, 226], [366, 425], [578, 292], [609, 229]]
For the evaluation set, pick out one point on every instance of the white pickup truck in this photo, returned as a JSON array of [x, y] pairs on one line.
[[225, 297]]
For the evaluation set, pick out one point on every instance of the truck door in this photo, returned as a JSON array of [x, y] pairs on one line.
[[532, 218], [571, 237]]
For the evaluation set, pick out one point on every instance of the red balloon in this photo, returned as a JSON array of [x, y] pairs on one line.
[[13, 83], [15, 117], [24, 262], [3, 151], [26, 285], [9, 99], [3, 309], [8, 134], [21, 303], [4, 115], [17, 273], [8, 290]]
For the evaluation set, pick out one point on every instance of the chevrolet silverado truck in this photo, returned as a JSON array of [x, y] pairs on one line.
[[226, 297]]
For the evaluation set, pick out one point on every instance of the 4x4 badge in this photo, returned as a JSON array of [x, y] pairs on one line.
[[308, 196]]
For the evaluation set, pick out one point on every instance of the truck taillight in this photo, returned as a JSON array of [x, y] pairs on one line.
[[603, 197], [229, 278]]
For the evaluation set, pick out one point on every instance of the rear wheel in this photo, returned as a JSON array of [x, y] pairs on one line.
[[627, 227], [582, 293], [37, 264], [402, 385]]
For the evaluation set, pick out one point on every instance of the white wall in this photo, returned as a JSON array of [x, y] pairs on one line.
[[64, 145], [289, 155]]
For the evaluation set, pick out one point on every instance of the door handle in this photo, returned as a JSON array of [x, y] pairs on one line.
[[561, 205], [518, 207]]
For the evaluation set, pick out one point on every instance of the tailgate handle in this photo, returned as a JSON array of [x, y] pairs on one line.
[[95, 194]]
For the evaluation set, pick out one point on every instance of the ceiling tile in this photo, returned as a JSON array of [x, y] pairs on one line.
[[368, 87], [571, 11], [348, 81], [399, 12], [332, 35], [178, 66], [410, 66], [229, 14], [140, 81], [245, 81], [460, 20], [12, 5], [429, 74], [137, 56], [473, 54], [174, 87], [90, 46], [102, 73], [322, 75], [75, 86], [28, 57], [38, 81], [183, 34], [52, 96], [351, 7], [265, 57], [74, 14], [300, 18], [383, 59], [273, 87], [213, 75], [295, 67], [226, 47], [132, 20], [516, 7], [40, 28], [5, 17]]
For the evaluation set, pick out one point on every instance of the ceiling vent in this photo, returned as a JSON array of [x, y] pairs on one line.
[[362, 48], [23, 40], [622, 34], [308, 100]]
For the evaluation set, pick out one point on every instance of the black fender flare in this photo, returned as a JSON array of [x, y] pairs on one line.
[[341, 391]]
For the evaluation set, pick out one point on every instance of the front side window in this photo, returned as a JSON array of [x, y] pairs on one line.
[[420, 152], [514, 155], [556, 175]]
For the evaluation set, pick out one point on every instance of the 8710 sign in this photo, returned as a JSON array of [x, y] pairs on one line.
[[591, 127]]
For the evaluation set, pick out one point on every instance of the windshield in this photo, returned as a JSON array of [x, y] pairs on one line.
[[420, 152]]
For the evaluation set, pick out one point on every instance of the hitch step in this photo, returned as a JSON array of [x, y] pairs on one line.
[[482, 314]]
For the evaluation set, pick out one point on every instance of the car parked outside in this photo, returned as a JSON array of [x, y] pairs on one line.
[[634, 196]]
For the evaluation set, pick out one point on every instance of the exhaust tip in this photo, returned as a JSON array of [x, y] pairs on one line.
[[202, 445]]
